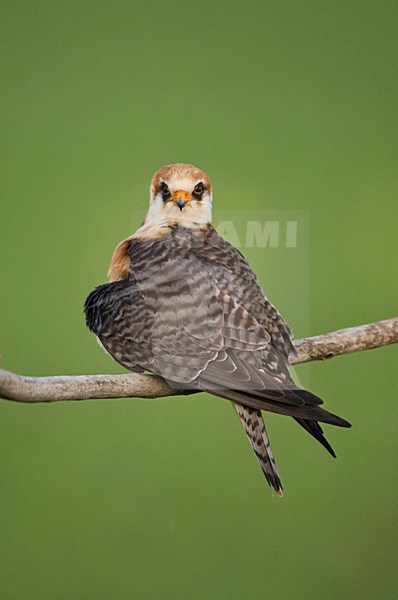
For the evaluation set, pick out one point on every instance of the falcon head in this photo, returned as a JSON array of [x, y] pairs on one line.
[[180, 194]]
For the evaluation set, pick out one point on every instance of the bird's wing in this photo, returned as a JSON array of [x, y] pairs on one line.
[[118, 316], [160, 322], [232, 273], [210, 326]]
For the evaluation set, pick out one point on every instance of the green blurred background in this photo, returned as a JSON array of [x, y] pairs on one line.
[[287, 106]]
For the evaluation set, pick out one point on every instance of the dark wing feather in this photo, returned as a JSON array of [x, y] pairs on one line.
[[117, 315], [232, 273]]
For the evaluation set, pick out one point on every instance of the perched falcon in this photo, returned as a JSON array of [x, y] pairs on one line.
[[183, 303]]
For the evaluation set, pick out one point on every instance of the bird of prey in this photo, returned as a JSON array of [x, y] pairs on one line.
[[183, 303]]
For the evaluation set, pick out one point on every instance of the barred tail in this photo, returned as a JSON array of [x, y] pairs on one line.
[[254, 426]]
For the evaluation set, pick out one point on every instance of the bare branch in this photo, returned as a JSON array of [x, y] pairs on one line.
[[345, 341], [85, 387]]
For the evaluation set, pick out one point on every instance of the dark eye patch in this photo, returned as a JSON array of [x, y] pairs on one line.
[[166, 194], [198, 190]]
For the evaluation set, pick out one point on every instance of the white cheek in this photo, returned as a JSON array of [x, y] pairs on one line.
[[202, 208], [155, 207]]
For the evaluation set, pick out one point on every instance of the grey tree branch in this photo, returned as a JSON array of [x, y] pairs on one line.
[[85, 387], [345, 341]]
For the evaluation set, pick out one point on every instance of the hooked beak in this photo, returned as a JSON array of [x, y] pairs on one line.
[[181, 203], [181, 198]]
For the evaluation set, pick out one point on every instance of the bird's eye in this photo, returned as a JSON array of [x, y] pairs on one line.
[[199, 189], [164, 188]]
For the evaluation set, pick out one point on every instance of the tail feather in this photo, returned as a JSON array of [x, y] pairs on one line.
[[254, 426], [316, 431], [249, 399], [249, 404]]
